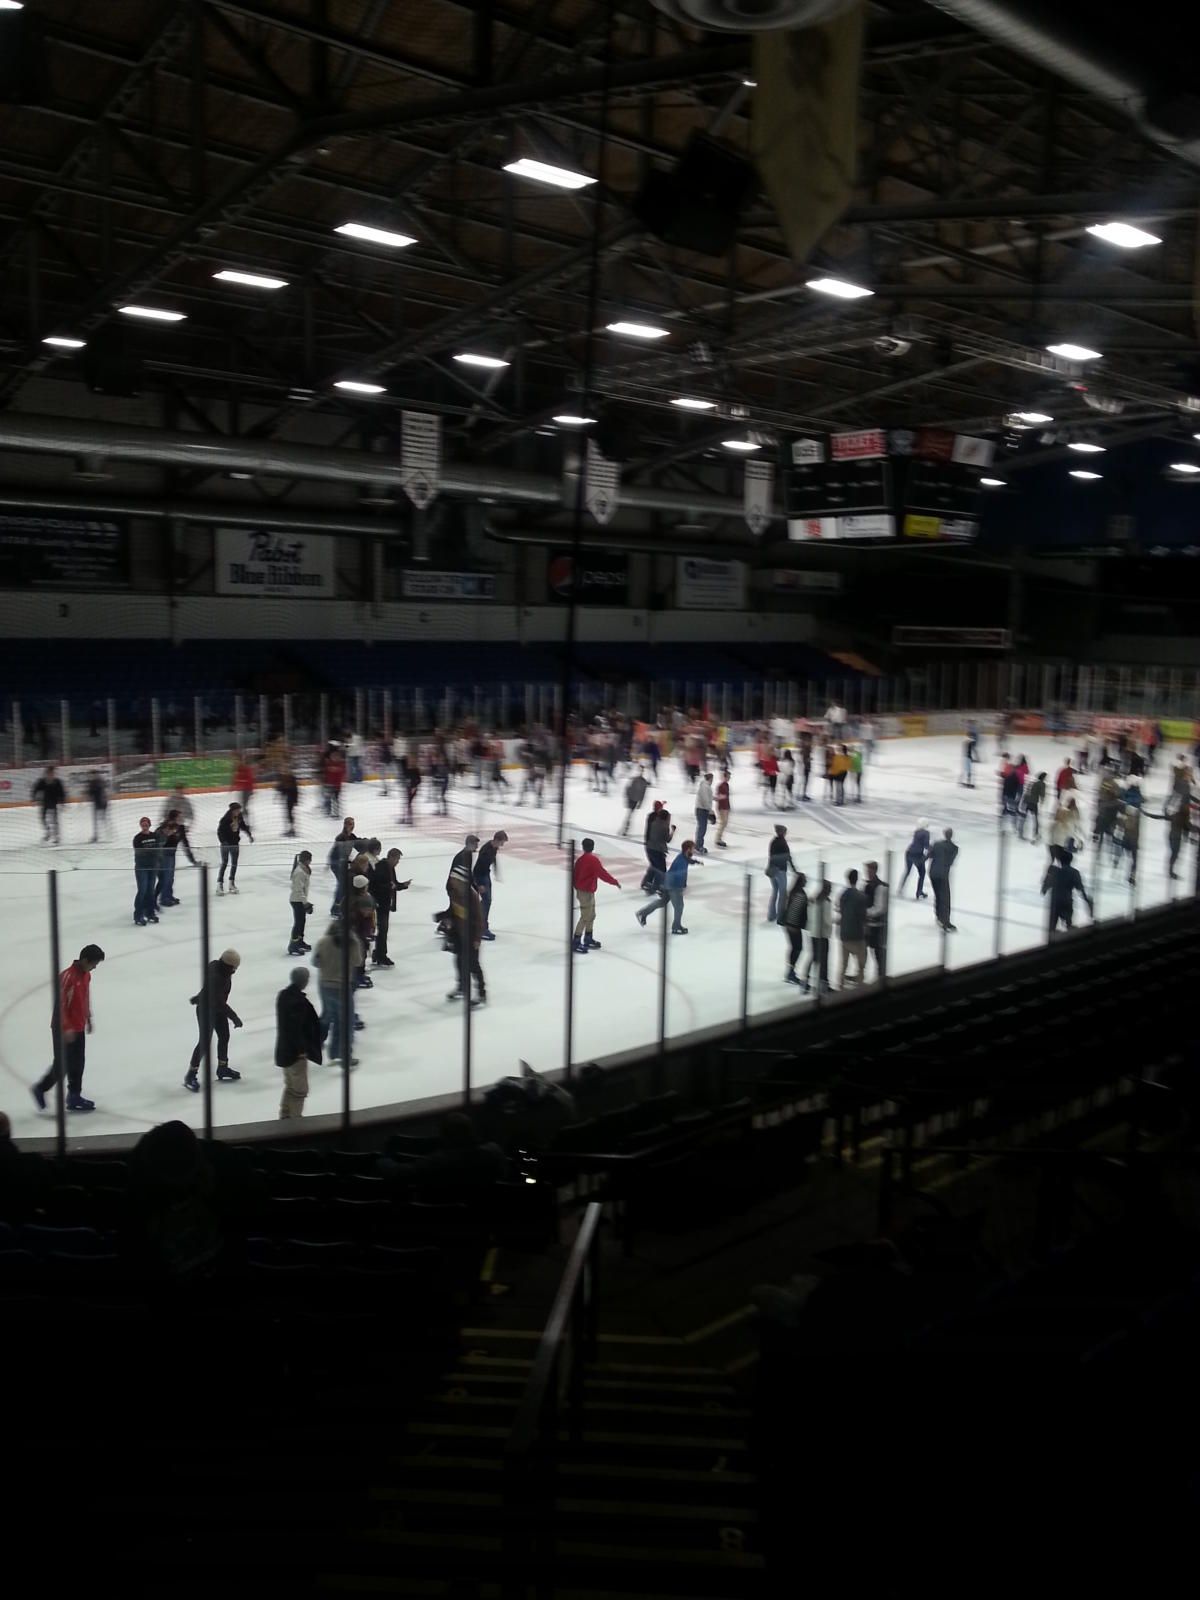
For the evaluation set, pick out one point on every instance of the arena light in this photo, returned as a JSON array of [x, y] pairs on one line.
[[1074, 352], [1082, 472], [994, 483], [569, 419], [60, 340], [1123, 234], [744, 445], [352, 386], [1031, 419], [1187, 467], [637, 330], [360, 230], [152, 313], [472, 358], [687, 402], [839, 288], [1086, 448], [12, 5], [250, 280], [545, 172]]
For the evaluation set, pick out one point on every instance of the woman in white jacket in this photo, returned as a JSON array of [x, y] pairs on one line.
[[1066, 832], [820, 926], [301, 874]]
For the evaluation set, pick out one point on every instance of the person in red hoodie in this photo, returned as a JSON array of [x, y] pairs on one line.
[[1065, 781], [243, 782], [69, 1027], [589, 870]]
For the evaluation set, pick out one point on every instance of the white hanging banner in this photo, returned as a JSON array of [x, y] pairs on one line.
[[758, 490], [421, 456], [602, 484]]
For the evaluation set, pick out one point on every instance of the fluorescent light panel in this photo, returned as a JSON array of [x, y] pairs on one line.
[[1032, 417], [839, 288], [545, 172], [1123, 234], [1074, 352], [470, 358], [744, 445], [352, 386], [1081, 472], [152, 313], [360, 230], [59, 340], [1085, 448], [1184, 466], [638, 330], [994, 483], [688, 403], [568, 419], [251, 280]]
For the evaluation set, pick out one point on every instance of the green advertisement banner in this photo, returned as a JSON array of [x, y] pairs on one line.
[[196, 772]]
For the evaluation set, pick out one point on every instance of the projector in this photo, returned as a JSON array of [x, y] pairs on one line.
[[751, 16]]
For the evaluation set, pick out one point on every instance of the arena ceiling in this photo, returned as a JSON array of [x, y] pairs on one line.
[[173, 139]]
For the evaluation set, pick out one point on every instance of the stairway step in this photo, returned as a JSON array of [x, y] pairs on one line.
[[509, 1379], [570, 1473], [567, 1506], [594, 1438], [494, 1546]]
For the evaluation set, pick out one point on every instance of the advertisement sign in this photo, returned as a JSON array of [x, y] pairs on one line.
[[709, 585], [258, 562], [806, 582], [418, 584], [964, 638], [877, 526], [196, 772], [913, 727], [602, 580], [920, 525], [808, 452], [846, 475], [861, 446], [16, 783], [44, 552]]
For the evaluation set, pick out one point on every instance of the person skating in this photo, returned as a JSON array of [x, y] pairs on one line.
[[172, 837], [70, 1024], [659, 832], [362, 920], [50, 794], [852, 926], [722, 799], [297, 1042], [704, 809], [941, 858], [147, 855], [589, 871], [673, 889], [779, 859], [345, 846], [787, 777], [300, 887], [875, 892], [839, 767], [856, 772], [970, 755], [1064, 780], [467, 909], [1066, 832], [820, 924], [385, 886], [178, 801], [794, 920], [229, 835], [288, 791], [327, 958], [214, 1015], [806, 758], [487, 862], [1062, 882], [1031, 807], [769, 767], [916, 855], [635, 795], [1010, 790], [97, 793]]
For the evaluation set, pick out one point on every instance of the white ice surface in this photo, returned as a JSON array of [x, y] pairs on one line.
[[411, 1048]]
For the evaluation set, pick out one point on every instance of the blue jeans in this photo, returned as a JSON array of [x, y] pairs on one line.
[[778, 877], [701, 828], [146, 878], [675, 896], [166, 878], [485, 895], [331, 1018]]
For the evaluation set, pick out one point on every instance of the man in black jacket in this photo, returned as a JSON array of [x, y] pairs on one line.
[[659, 833], [147, 855], [941, 859], [297, 1041], [213, 1011], [487, 862], [384, 887], [49, 793], [229, 834], [171, 835], [916, 855]]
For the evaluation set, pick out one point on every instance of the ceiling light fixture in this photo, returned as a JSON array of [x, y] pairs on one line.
[[1074, 352], [59, 340], [568, 419], [12, 5], [1086, 448], [1032, 418], [994, 483], [360, 230], [251, 280], [638, 330], [749, 83], [1184, 466], [152, 314], [1123, 234], [744, 445], [545, 172], [687, 402], [1081, 472], [471, 358], [839, 288], [352, 386]]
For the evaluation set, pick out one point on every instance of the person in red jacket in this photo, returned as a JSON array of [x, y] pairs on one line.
[[1065, 781], [589, 870], [69, 1027], [243, 782]]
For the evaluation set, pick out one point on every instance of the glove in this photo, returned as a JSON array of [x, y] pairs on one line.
[[237, 1022], [308, 910]]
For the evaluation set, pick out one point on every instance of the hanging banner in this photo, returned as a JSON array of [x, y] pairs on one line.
[[258, 562], [709, 585], [602, 483], [421, 456], [758, 490]]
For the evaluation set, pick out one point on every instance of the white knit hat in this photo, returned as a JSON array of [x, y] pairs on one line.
[[359, 881], [231, 958]]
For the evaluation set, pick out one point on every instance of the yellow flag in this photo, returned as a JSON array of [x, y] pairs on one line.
[[804, 134]]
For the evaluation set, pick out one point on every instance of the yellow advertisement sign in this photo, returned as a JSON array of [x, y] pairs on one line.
[[918, 527], [1173, 729], [914, 727]]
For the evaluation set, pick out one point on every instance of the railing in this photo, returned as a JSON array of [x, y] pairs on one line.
[[553, 1394]]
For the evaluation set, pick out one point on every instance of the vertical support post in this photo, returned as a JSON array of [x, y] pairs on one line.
[[943, 947], [197, 724], [746, 905], [155, 729], [18, 734], [821, 869], [569, 1021], [465, 951], [287, 723], [205, 1001], [264, 730], [530, 707], [110, 710], [359, 714], [239, 730], [662, 986], [388, 726], [347, 1039], [64, 730], [1001, 878], [323, 720], [889, 865], [1097, 877], [60, 1047]]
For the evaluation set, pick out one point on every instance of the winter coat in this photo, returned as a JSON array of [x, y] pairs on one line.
[[820, 918], [297, 1028], [301, 880], [213, 999], [795, 908], [852, 914], [228, 834], [942, 856], [327, 957]]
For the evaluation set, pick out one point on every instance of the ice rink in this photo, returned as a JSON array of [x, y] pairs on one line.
[[411, 1048]]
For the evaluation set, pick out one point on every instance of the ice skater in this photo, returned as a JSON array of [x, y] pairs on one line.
[[467, 909], [297, 1042], [779, 859], [1062, 882], [806, 755], [70, 1024], [1031, 807], [659, 832], [229, 835], [722, 799], [172, 837], [344, 848], [589, 871], [787, 776], [704, 810], [147, 854], [875, 892], [673, 889], [970, 755], [820, 923], [301, 884], [852, 928], [214, 1015], [97, 793], [487, 862], [794, 921], [50, 795], [327, 958], [288, 791], [635, 797], [385, 886], [916, 855], [942, 856]]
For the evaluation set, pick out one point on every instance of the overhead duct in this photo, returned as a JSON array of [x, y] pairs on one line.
[[228, 514], [1071, 42], [750, 16], [205, 452]]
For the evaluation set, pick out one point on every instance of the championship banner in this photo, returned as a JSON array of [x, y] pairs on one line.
[[602, 483], [758, 491], [255, 562], [420, 456]]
